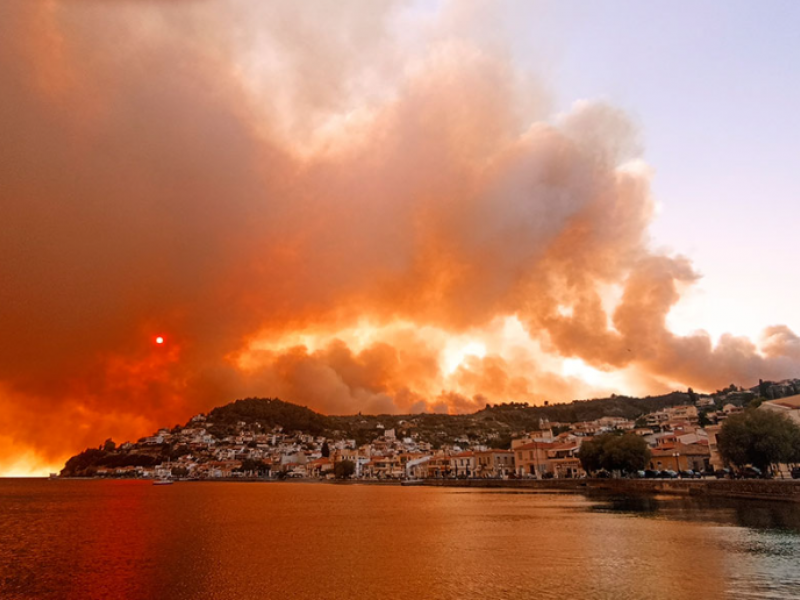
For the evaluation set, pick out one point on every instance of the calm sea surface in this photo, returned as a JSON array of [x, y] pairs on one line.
[[232, 541]]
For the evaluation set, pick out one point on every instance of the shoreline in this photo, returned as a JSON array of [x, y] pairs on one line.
[[756, 489]]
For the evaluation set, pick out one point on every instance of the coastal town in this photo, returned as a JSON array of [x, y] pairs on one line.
[[682, 441]]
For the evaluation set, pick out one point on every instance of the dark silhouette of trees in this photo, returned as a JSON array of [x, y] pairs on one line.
[[251, 465], [344, 469], [760, 438], [627, 453], [269, 412]]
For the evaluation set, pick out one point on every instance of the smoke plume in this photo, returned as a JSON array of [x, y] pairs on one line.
[[352, 206]]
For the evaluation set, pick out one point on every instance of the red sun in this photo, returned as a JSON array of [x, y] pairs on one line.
[[159, 340]]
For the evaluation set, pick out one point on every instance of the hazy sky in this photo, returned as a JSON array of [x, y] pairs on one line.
[[387, 207], [714, 87]]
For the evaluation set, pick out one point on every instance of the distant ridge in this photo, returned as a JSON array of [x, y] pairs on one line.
[[493, 420], [495, 425]]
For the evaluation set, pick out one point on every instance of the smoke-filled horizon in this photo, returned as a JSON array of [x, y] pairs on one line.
[[353, 208]]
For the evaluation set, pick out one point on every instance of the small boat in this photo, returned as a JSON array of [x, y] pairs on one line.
[[163, 482]]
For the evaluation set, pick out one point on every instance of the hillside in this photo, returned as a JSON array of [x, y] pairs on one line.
[[493, 426], [502, 420]]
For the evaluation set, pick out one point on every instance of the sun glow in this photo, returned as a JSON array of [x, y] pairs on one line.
[[456, 355], [28, 465], [575, 367], [159, 340], [456, 352]]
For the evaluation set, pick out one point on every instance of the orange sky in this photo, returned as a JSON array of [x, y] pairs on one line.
[[368, 210]]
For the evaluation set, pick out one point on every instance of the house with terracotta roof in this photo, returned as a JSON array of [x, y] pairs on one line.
[[680, 457], [562, 460], [463, 464], [319, 467], [551, 459], [383, 467], [530, 460], [494, 463], [438, 466]]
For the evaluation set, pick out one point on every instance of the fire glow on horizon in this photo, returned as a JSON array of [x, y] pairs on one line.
[[390, 220]]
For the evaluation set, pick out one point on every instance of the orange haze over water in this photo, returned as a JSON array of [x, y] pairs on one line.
[[354, 207]]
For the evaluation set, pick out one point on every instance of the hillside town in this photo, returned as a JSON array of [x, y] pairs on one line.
[[682, 440]]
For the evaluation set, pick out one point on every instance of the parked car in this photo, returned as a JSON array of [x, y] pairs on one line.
[[668, 474], [722, 473], [750, 473], [650, 474], [796, 473]]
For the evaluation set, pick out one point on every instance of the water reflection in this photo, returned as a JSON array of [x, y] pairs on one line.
[[754, 514], [761, 541], [220, 541]]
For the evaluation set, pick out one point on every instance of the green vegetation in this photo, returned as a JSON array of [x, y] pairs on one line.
[[250, 465], [502, 442], [500, 421], [269, 412], [344, 469], [611, 452], [87, 462], [760, 438]]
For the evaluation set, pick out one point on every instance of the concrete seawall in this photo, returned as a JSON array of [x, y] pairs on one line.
[[785, 491]]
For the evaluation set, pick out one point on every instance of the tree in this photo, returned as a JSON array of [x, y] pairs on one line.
[[702, 418], [250, 465], [626, 453], [109, 446], [502, 441], [344, 469], [83, 463], [760, 438], [326, 451], [590, 455]]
